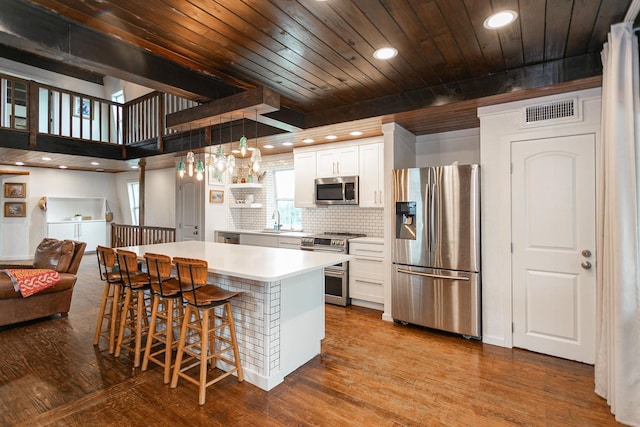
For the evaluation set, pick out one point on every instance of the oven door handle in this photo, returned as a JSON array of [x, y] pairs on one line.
[[334, 273]]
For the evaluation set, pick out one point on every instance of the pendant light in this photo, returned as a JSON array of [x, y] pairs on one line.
[[219, 158], [209, 162], [190, 158], [256, 155], [181, 169], [199, 167], [231, 159], [190, 162], [243, 140]]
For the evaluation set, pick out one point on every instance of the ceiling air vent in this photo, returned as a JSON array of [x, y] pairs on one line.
[[566, 110]]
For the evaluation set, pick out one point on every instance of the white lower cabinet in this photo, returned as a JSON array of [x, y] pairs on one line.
[[93, 233], [366, 274], [289, 242], [259, 240]]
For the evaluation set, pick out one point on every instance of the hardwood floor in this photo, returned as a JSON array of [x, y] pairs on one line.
[[370, 373]]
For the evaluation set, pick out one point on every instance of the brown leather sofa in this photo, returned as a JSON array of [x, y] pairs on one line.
[[64, 256]]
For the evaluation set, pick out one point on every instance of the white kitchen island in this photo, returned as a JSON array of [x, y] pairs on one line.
[[280, 316]]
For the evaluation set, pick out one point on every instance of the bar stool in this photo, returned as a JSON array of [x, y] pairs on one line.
[[134, 308], [109, 307], [166, 313], [202, 338]]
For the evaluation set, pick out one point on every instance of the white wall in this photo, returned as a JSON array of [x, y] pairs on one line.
[[499, 126], [462, 146], [160, 194], [21, 236], [43, 76], [130, 90]]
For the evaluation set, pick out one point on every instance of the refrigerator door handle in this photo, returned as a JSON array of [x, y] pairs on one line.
[[432, 226], [427, 222], [435, 276]]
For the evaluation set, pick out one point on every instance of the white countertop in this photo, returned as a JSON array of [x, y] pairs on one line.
[[266, 232], [248, 262]]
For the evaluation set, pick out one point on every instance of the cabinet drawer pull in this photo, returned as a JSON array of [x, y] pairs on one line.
[[366, 281]]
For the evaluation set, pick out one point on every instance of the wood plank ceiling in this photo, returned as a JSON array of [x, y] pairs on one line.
[[318, 54]]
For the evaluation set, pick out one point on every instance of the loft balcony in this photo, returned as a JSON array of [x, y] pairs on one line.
[[43, 118]]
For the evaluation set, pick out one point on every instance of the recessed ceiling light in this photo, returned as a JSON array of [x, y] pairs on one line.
[[134, 166], [46, 159], [385, 52], [287, 144], [500, 19], [330, 137], [95, 163], [355, 133], [19, 163], [267, 146], [307, 140], [62, 167]]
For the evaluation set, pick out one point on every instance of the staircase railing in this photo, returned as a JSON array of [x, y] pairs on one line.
[[135, 235]]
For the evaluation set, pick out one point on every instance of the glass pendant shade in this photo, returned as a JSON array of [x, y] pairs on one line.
[[199, 170], [231, 163], [181, 169], [243, 145], [219, 159], [190, 161], [256, 158]]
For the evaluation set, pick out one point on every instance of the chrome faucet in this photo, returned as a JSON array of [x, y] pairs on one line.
[[276, 217]]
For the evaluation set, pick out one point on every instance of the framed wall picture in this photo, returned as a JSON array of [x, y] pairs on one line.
[[15, 190], [15, 209], [216, 196], [82, 106], [215, 176]]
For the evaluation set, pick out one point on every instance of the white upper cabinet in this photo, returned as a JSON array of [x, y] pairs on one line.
[[371, 175], [341, 161], [304, 173]]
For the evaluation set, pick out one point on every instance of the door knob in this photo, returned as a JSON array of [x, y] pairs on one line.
[[586, 253], [586, 265]]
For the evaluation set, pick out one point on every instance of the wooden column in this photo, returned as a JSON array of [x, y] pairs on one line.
[[143, 164], [32, 111]]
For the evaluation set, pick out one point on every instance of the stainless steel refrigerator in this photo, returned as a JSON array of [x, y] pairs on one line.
[[436, 253]]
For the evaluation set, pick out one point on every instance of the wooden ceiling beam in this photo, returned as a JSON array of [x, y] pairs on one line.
[[247, 104], [509, 82], [37, 31]]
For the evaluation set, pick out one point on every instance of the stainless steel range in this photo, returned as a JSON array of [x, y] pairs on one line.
[[336, 277]]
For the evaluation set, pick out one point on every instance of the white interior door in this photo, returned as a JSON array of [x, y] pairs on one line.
[[553, 232], [189, 209]]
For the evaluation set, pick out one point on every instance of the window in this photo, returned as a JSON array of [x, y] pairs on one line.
[[290, 216], [117, 113], [133, 188]]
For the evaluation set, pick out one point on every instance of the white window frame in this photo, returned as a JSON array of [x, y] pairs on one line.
[[133, 191]]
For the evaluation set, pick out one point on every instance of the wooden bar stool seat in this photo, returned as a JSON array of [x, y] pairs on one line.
[[134, 321], [110, 304], [166, 314], [202, 337]]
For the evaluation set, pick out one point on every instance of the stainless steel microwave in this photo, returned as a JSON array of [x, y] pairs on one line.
[[341, 190]]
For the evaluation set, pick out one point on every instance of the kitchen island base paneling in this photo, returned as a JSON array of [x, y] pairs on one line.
[[279, 324]]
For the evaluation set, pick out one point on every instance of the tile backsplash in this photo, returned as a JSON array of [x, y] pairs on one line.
[[351, 219]]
